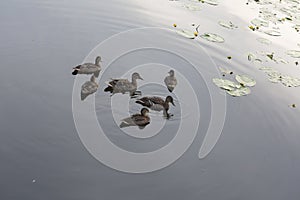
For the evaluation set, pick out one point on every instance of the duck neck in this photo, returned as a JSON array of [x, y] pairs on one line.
[[166, 105], [134, 82], [97, 61]]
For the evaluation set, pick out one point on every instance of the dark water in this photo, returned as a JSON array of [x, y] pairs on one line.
[[42, 157]]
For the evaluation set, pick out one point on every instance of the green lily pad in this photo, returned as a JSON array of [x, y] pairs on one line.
[[228, 25], [192, 7], [212, 37], [290, 81], [240, 92], [245, 80], [273, 33], [259, 22], [186, 33], [293, 53], [225, 84], [211, 2], [264, 41], [266, 69]]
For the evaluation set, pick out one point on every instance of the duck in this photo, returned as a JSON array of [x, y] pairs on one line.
[[140, 119], [89, 87], [88, 68], [123, 85], [171, 81], [157, 103]]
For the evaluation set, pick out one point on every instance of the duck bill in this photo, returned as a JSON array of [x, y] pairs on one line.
[[173, 103]]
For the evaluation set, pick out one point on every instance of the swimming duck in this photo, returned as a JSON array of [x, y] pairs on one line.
[[89, 88], [123, 85], [171, 80], [141, 119], [157, 103], [88, 68]]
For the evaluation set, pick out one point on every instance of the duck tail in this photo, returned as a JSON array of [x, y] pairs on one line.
[[108, 89], [140, 102], [77, 67], [75, 72], [170, 89], [123, 124]]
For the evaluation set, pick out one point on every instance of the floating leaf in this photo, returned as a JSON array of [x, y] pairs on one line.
[[186, 33], [225, 71], [212, 37], [225, 84], [245, 80], [279, 59], [290, 81], [192, 7], [259, 22], [240, 92], [273, 33], [211, 2], [293, 53], [264, 41], [228, 25], [266, 69]]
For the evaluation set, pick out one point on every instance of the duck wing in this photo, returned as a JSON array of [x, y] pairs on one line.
[[140, 120], [145, 101], [170, 82], [156, 100], [88, 88]]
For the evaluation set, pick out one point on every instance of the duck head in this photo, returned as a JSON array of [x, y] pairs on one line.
[[75, 71], [98, 59], [136, 76], [171, 72], [144, 111], [169, 99]]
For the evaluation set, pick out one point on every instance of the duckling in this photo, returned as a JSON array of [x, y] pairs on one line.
[[141, 119], [123, 85], [89, 88], [88, 68], [171, 80], [157, 103]]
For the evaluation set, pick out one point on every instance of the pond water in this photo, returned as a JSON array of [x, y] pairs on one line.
[[42, 154]]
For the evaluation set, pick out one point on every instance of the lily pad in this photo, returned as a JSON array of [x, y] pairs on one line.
[[264, 41], [290, 81], [225, 71], [273, 33], [259, 22], [228, 25], [245, 80], [240, 92], [225, 84], [192, 7], [212, 37], [266, 69], [186, 33], [211, 2], [293, 53]]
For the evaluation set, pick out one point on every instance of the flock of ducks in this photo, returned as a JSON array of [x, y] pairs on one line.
[[123, 86]]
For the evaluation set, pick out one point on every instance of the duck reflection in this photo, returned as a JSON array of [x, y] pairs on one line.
[[124, 85], [157, 103], [89, 87], [88, 68], [171, 80], [141, 119]]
